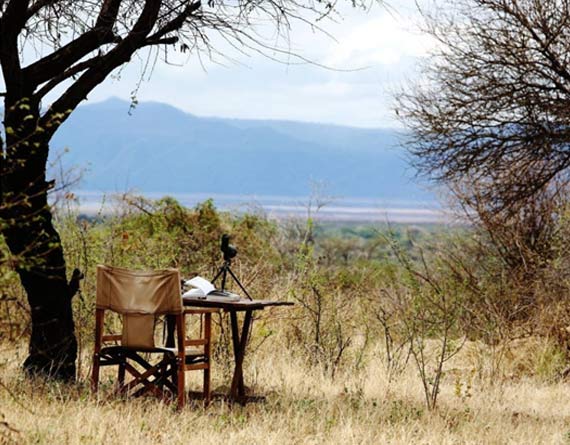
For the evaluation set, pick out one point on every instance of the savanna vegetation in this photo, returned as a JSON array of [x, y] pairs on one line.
[[443, 334], [398, 334], [53, 54]]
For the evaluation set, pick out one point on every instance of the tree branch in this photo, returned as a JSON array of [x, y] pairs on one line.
[[11, 24], [14, 19], [38, 5], [119, 55], [176, 23], [62, 59], [165, 41], [74, 70]]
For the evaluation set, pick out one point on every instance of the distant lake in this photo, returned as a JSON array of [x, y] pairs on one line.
[[282, 207]]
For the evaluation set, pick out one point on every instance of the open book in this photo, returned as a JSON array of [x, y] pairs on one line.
[[203, 289]]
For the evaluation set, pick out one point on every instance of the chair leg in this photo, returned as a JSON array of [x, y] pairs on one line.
[[207, 391], [121, 377], [181, 394]]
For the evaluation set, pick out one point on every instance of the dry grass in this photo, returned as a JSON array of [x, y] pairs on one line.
[[302, 407]]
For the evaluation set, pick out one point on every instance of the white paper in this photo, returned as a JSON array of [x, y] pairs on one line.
[[194, 293], [201, 283], [214, 296], [223, 298]]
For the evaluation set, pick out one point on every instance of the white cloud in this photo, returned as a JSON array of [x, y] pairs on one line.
[[384, 42], [331, 88], [384, 39]]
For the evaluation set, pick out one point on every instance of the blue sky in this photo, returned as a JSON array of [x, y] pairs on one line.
[[372, 54]]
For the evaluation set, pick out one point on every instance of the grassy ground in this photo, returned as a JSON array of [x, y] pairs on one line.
[[302, 407]]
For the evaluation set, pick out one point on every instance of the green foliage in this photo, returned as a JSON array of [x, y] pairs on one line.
[[421, 291]]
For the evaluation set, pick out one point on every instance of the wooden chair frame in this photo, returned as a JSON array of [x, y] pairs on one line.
[[168, 374]]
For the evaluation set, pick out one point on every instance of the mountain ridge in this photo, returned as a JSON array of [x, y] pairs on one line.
[[159, 147]]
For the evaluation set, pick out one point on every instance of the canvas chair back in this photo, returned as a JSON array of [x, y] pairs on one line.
[[139, 296]]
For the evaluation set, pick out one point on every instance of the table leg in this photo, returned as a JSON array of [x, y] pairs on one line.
[[236, 345], [237, 392]]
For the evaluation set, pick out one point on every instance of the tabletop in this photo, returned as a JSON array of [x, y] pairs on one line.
[[240, 305]]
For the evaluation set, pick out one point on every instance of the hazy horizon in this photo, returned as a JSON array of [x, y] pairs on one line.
[[337, 209]]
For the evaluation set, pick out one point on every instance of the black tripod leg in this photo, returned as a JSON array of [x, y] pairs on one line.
[[220, 271], [224, 277], [223, 271], [239, 283]]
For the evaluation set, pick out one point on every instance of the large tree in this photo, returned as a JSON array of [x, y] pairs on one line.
[[61, 50], [491, 116]]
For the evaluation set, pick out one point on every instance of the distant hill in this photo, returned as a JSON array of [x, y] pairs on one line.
[[162, 149]]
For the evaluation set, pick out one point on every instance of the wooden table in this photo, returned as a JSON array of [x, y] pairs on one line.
[[237, 391]]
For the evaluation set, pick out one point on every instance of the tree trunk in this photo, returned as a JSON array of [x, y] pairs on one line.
[[35, 244], [52, 347]]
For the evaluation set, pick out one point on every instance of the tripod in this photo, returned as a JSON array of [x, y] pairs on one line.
[[223, 271]]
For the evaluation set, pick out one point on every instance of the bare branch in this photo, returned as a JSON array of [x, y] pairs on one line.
[[495, 108], [38, 5], [176, 23], [11, 23], [73, 71], [60, 60], [119, 55]]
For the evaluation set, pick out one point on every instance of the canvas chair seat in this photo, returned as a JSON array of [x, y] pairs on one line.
[[188, 352], [141, 296]]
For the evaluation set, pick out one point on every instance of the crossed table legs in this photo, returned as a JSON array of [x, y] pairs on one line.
[[237, 391], [239, 339]]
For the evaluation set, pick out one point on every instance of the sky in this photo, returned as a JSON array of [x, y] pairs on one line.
[[365, 59]]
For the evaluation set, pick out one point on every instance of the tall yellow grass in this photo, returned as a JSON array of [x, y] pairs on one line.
[[302, 407]]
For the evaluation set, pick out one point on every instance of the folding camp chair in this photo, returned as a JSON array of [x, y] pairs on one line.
[[140, 297]]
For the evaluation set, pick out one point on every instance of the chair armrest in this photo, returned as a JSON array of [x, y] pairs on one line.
[[111, 337]]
